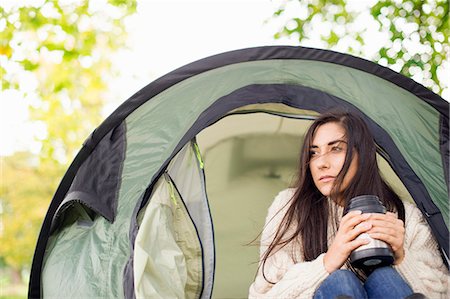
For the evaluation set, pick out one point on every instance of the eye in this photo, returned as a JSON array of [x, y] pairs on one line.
[[337, 148], [313, 153]]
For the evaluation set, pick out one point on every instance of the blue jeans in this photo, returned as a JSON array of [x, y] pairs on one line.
[[384, 282]]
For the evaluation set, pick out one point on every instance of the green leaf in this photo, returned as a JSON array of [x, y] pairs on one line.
[[29, 66], [278, 12], [333, 39]]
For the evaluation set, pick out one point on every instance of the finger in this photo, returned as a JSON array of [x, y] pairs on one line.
[[386, 217], [396, 225], [359, 229], [354, 219], [392, 223], [394, 242], [382, 223], [386, 231], [392, 215], [357, 243], [350, 215]]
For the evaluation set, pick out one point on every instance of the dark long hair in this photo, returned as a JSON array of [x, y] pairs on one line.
[[308, 212]]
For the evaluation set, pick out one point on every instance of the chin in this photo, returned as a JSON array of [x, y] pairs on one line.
[[325, 193]]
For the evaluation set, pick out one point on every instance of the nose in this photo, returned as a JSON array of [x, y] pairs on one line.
[[322, 162]]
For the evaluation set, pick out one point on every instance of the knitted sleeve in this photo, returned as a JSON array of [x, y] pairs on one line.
[[422, 266], [282, 277]]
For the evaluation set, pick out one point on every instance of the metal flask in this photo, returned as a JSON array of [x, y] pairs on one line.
[[376, 253]]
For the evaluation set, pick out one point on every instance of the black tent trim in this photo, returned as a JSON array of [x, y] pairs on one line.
[[444, 147], [200, 66]]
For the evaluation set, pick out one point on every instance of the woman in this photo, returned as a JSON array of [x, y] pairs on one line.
[[306, 242]]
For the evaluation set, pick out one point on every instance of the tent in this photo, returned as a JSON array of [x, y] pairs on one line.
[[166, 196]]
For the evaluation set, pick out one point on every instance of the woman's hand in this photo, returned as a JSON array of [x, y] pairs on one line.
[[345, 240], [388, 228]]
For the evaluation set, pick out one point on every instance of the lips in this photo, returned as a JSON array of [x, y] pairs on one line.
[[326, 178]]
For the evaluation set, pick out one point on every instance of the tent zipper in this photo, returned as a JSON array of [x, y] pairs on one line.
[[199, 156], [171, 188]]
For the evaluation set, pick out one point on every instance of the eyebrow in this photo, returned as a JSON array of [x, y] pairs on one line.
[[329, 143]]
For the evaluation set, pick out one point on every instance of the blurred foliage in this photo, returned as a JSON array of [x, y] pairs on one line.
[[417, 32], [56, 54], [26, 191]]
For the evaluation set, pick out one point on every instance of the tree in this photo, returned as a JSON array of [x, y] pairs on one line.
[[416, 33], [56, 55]]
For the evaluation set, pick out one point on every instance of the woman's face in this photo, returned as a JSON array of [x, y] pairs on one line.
[[328, 151]]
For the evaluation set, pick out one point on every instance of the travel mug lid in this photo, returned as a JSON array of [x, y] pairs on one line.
[[366, 203]]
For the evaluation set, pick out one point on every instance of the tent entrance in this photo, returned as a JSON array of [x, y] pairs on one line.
[[248, 159], [249, 156]]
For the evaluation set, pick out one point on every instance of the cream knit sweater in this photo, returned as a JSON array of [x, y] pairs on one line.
[[422, 266]]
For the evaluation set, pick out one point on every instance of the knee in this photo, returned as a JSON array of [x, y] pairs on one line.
[[387, 280], [343, 274], [346, 278], [342, 284], [384, 272], [346, 282]]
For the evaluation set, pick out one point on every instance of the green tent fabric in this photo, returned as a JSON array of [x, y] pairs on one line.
[[167, 197]]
